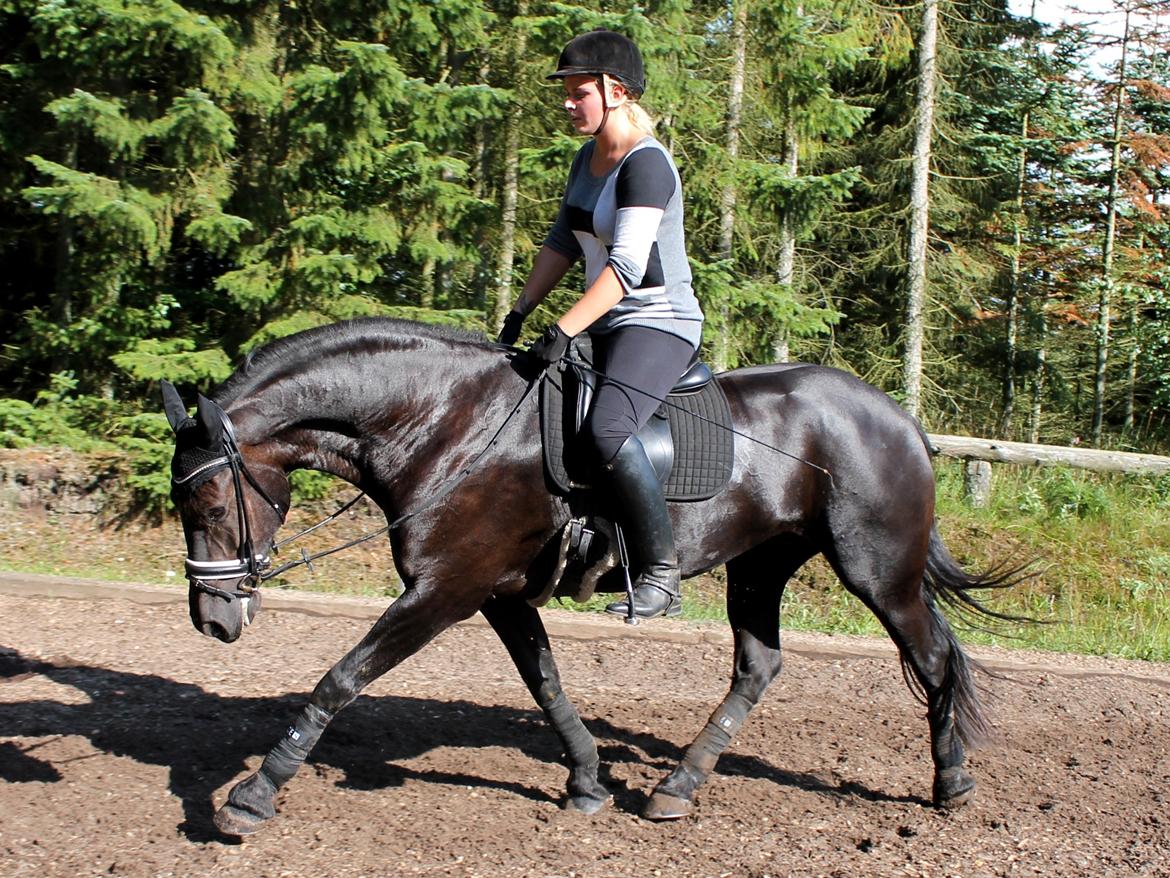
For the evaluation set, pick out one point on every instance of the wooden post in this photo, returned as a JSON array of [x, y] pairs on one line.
[[977, 483]]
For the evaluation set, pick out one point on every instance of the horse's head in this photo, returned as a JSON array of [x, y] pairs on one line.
[[231, 505]]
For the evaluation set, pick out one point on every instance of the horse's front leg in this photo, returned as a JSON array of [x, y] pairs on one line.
[[753, 608], [520, 629], [408, 624]]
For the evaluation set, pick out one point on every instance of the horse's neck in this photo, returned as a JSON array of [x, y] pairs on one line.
[[363, 418]]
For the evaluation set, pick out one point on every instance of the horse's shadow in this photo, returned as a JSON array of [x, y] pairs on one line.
[[206, 739]]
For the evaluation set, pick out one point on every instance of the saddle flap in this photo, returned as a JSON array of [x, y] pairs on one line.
[[689, 440]]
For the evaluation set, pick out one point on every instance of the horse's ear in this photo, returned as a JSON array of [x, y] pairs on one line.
[[176, 412], [210, 418]]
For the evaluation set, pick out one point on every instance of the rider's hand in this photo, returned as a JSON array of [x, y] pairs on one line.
[[511, 329], [551, 346]]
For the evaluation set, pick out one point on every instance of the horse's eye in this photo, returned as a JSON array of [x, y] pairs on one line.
[[215, 513]]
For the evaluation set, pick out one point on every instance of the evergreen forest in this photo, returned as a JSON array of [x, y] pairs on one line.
[[966, 207]]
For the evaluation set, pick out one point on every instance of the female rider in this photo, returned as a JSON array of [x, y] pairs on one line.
[[623, 212]]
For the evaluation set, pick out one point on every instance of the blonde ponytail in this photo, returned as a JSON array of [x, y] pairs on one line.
[[635, 112], [639, 118]]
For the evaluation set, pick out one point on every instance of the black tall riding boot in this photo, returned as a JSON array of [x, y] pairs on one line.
[[641, 512]]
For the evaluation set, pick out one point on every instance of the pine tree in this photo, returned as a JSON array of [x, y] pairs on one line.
[[764, 202], [1145, 251], [116, 150], [969, 152], [1038, 92]]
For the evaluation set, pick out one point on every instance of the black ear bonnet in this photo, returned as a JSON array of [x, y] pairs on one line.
[[199, 445], [194, 463]]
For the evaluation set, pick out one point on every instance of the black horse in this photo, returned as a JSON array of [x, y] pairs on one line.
[[441, 430]]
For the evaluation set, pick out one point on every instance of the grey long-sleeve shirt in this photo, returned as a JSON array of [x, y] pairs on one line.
[[632, 219]]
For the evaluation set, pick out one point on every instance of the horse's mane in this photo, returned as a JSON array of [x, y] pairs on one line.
[[320, 342]]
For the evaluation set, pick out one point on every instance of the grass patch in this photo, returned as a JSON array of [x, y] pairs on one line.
[[1101, 548], [1100, 552]]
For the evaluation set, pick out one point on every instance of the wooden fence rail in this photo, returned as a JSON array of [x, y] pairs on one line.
[[997, 451], [979, 454]]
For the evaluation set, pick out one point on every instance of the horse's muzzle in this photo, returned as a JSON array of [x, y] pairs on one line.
[[220, 613]]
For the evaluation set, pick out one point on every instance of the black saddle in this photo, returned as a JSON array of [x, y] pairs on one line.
[[688, 440]]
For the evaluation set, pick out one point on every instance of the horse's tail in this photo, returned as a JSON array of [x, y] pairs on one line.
[[948, 584], [952, 585]]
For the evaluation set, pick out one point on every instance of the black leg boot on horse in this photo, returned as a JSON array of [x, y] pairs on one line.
[[641, 513]]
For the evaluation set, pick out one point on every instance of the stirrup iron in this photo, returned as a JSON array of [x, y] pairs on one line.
[[624, 555]]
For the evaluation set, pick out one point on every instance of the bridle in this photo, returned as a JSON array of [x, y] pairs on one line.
[[249, 565]]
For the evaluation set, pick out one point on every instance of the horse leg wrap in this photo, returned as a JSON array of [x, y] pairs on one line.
[[252, 797], [706, 749], [578, 743], [952, 785], [285, 758], [946, 745], [586, 792]]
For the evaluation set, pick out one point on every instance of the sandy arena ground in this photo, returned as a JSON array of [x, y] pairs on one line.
[[121, 729]]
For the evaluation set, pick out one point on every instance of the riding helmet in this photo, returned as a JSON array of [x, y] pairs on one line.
[[604, 51]]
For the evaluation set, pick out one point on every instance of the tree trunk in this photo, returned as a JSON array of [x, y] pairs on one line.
[[727, 196], [1037, 394], [786, 270], [1131, 371], [919, 211], [426, 297], [1105, 301], [504, 296], [1011, 355], [61, 306]]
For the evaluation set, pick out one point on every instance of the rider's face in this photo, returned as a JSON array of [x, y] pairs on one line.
[[583, 103]]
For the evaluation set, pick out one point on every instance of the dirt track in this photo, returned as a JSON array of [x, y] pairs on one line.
[[121, 729]]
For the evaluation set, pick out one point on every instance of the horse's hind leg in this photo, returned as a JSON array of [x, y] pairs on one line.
[[405, 626], [933, 655], [755, 585], [934, 660], [522, 633]]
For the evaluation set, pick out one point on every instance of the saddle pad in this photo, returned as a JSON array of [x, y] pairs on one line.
[[700, 424]]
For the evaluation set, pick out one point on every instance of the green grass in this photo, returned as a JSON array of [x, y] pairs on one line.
[[1099, 553], [1102, 550]]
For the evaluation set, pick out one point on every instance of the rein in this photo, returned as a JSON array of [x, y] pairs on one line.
[[257, 568]]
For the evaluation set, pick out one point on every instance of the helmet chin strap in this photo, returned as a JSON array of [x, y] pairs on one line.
[[604, 104]]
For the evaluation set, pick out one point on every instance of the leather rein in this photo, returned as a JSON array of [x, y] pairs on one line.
[[252, 568]]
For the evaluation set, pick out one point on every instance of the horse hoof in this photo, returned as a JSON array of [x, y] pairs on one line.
[[231, 820], [588, 803], [953, 789], [663, 806]]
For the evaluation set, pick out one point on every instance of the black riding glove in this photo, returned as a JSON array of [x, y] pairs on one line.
[[511, 329], [551, 346]]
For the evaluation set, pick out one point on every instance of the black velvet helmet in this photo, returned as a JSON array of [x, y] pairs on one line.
[[603, 51]]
